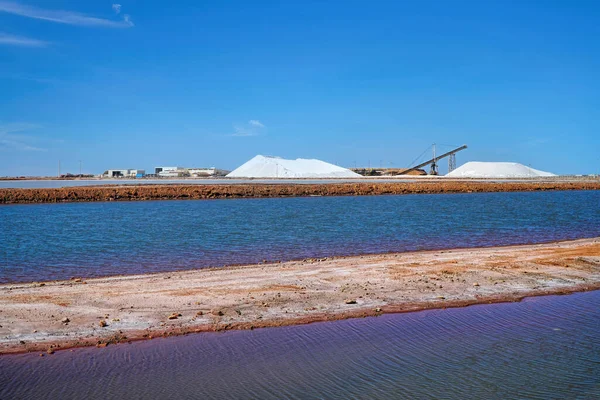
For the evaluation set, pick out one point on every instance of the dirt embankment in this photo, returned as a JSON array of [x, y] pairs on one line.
[[222, 191], [49, 316]]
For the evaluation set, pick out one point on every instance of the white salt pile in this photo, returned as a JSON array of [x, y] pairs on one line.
[[275, 167], [476, 169]]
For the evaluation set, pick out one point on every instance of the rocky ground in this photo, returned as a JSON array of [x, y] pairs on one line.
[[48, 316], [223, 191]]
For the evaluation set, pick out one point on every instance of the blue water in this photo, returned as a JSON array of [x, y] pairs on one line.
[[58, 241], [541, 348]]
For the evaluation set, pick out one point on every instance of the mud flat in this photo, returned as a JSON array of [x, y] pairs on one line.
[[49, 316], [222, 191]]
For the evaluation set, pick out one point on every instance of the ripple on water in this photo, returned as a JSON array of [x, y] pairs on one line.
[[58, 241], [545, 347]]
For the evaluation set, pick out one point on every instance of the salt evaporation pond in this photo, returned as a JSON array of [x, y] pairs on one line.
[[541, 348], [58, 241], [58, 183]]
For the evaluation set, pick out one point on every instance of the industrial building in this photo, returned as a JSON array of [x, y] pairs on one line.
[[179, 172], [165, 172], [170, 172], [206, 172], [124, 173]]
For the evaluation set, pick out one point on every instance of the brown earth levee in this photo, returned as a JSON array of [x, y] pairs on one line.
[[55, 315], [223, 191]]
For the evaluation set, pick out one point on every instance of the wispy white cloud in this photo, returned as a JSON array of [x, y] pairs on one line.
[[62, 17], [241, 131], [256, 123], [17, 145], [117, 8], [253, 128], [16, 127], [12, 139], [14, 40]]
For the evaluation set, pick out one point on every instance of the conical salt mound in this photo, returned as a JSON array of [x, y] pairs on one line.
[[476, 169], [275, 167]]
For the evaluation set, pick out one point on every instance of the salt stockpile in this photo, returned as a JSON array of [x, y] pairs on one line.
[[275, 167], [476, 169]]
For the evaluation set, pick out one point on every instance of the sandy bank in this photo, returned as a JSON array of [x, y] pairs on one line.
[[223, 191], [62, 314]]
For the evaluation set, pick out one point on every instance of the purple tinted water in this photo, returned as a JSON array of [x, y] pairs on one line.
[[57, 241], [541, 348]]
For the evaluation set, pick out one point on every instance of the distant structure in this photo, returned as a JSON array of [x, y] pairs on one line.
[[182, 172], [451, 162], [434, 161], [170, 172], [124, 173], [207, 172], [387, 171]]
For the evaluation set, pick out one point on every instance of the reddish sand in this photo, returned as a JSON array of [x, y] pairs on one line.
[[222, 191], [81, 312]]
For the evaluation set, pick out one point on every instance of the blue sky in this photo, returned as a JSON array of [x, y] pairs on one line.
[[213, 83]]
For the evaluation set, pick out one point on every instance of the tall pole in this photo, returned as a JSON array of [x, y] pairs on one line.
[[434, 166], [59, 168], [79, 167]]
